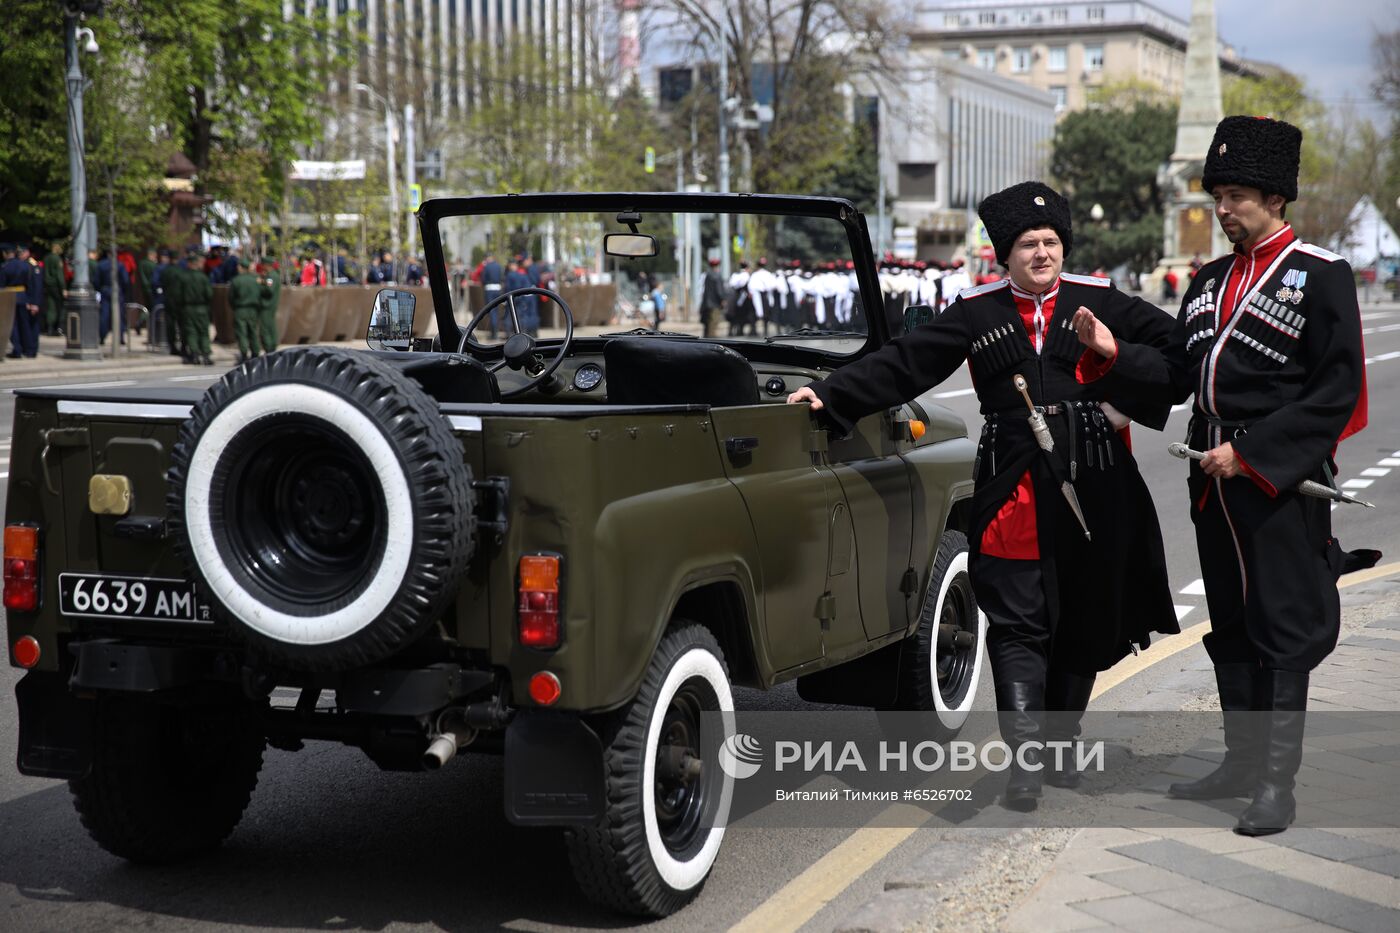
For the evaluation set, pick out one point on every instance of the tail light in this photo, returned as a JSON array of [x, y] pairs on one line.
[[26, 651], [22, 567], [545, 688], [539, 601]]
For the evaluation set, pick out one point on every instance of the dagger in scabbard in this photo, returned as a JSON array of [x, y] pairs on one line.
[[1041, 430], [1307, 487]]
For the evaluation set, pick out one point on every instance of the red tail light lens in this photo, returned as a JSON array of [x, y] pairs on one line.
[[539, 601], [545, 688], [26, 651], [21, 567]]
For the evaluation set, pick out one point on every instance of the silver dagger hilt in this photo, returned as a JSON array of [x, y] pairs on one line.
[[1039, 428], [1307, 487]]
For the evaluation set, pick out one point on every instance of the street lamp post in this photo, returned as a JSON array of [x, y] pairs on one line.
[[389, 164], [79, 303]]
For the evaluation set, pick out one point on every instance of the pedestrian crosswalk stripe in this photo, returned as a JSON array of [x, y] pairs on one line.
[[1357, 483], [1375, 471], [1390, 462], [1194, 588], [1182, 611]]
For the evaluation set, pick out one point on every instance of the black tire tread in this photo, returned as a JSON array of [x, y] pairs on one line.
[[611, 863], [148, 798]]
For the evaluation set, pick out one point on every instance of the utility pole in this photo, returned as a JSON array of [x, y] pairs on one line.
[[80, 304], [724, 248], [390, 165], [410, 176]]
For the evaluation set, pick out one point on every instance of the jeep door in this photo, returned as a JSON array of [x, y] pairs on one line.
[[772, 455], [876, 484]]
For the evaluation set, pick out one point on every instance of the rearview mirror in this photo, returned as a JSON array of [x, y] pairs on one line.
[[630, 245], [914, 315], [392, 318]]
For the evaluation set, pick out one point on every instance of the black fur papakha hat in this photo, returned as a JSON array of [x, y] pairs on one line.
[[1255, 152], [1012, 211]]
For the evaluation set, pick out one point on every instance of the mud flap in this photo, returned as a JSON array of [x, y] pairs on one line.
[[554, 772], [55, 727]]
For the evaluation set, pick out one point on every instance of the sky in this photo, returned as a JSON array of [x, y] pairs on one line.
[[1325, 42]]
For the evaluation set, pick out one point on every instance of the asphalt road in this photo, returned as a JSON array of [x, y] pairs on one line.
[[330, 842]]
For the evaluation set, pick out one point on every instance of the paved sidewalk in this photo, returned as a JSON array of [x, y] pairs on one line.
[[1208, 878]]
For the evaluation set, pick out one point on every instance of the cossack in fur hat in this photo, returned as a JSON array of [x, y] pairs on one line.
[[1255, 152], [1012, 211]]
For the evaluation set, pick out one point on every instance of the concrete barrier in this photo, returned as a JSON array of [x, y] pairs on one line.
[[7, 314], [301, 315]]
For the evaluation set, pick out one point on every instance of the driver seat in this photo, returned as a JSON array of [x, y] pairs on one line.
[[446, 377], [658, 371]]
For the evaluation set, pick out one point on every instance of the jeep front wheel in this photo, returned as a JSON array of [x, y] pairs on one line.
[[942, 662], [667, 798]]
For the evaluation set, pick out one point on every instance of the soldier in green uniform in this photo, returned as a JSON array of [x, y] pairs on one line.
[[54, 284], [269, 294], [145, 273], [245, 298], [172, 283], [198, 294]]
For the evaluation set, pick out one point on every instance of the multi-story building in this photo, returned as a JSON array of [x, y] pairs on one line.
[[953, 135], [1066, 48]]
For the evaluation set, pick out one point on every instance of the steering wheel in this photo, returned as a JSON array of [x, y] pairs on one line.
[[519, 350]]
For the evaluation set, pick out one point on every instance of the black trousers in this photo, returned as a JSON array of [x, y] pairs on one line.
[[1020, 637], [1270, 567]]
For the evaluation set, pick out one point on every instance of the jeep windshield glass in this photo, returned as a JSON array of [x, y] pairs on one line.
[[790, 276]]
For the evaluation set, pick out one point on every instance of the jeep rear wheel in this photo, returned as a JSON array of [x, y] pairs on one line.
[[942, 662], [323, 506], [168, 781], [667, 798]]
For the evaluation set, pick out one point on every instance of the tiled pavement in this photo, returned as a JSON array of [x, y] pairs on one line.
[[1208, 878]]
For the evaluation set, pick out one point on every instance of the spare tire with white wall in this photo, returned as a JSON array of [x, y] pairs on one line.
[[322, 506]]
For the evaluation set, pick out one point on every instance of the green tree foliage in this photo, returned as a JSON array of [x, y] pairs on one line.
[[1109, 155], [211, 79]]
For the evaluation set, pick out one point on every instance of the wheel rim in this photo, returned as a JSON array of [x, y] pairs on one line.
[[954, 665], [304, 515], [682, 786]]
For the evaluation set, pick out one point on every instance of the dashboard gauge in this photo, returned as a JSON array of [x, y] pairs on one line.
[[587, 377]]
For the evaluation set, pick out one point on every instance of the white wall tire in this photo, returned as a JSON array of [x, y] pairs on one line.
[[658, 870], [322, 506], [939, 676]]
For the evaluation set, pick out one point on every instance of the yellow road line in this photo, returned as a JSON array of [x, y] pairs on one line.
[[801, 898], [824, 880]]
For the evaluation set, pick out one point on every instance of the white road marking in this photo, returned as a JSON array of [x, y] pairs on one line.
[[81, 385], [1182, 611], [1375, 471], [1390, 462], [195, 378], [1383, 358], [1357, 483], [1182, 407], [955, 393], [1367, 331], [1194, 588]]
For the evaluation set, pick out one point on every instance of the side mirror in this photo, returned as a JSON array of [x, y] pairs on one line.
[[914, 315], [630, 245], [392, 319]]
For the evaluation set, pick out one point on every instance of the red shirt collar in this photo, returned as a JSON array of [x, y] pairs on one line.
[[1266, 249]]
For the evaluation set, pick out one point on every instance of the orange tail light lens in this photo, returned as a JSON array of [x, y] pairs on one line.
[[22, 567], [538, 608]]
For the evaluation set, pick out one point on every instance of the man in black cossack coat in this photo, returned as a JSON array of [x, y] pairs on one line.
[[1061, 607], [1268, 342]]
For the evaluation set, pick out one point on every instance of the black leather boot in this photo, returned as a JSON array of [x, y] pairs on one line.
[[1020, 707], [1273, 807], [1066, 698], [1239, 771]]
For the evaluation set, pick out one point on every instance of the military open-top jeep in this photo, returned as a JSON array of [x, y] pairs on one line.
[[564, 551]]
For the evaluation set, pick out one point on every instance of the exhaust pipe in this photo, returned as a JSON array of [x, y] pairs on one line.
[[452, 734]]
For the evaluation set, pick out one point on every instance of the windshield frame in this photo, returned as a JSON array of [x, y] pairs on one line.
[[433, 210]]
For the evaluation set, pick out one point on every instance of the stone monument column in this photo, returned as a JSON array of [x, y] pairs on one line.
[[1189, 226]]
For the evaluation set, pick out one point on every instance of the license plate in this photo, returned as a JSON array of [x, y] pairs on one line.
[[154, 599]]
